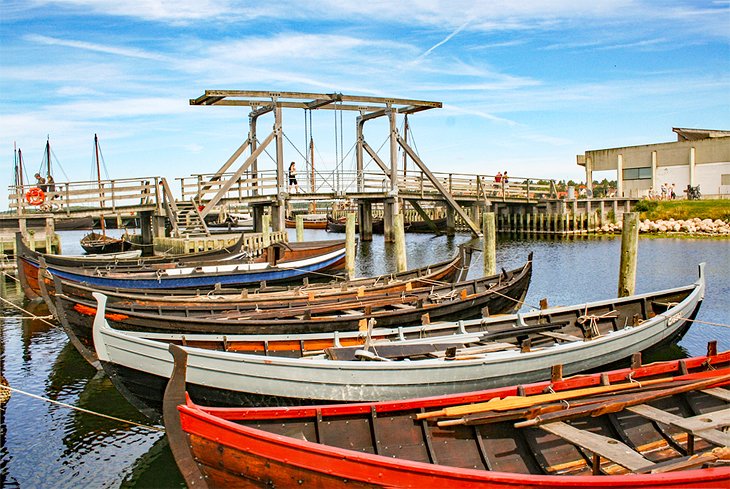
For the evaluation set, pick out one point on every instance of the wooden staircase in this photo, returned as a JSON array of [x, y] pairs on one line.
[[188, 221]]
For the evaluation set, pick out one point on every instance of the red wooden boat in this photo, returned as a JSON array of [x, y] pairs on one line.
[[658, 426]]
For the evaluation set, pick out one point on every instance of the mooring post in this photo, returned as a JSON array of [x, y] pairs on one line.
[[350, 244], [489, 231], [266, 229], [401, 262], [300, 228], [629, 254]]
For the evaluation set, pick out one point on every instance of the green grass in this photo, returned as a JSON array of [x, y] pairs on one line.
[[685, 209]]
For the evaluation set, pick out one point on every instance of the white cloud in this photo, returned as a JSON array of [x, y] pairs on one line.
[[119, 51]]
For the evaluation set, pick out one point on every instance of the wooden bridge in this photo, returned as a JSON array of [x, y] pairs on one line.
[[383, 182]]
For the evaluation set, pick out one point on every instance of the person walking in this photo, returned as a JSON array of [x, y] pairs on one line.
[[293, 177]]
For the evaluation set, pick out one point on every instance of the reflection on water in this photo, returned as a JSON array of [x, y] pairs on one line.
[[46, 445]]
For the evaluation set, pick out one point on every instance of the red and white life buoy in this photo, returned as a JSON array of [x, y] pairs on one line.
[[35, 196]]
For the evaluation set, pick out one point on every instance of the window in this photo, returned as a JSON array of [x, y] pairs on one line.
[[725, 179], [637, 173]]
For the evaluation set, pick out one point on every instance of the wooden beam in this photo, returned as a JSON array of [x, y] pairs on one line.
[[205, 186], [449, 199], [311, 95], [704, 425], [426, 218], [264, 109], [375, 157], [229, 183]]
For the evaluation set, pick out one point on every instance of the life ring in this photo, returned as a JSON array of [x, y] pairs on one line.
[[35, 196]]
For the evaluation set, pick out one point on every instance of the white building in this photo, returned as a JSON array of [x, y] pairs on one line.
[[698, 157]]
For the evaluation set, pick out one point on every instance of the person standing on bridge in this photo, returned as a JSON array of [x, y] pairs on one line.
[[293, 177], [498, 183]]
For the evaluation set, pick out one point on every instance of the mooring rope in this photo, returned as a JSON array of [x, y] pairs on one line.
[[76, 408], [30, 314]]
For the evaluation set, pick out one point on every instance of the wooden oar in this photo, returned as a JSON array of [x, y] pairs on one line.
[[533, 411], [519, 402], [616, 406]]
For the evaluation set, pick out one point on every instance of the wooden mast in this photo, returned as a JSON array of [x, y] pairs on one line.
[[98, 179]]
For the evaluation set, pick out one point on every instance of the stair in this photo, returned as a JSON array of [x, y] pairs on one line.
[[188, 220]]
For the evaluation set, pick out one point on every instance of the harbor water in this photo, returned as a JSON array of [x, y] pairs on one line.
[[44, 443]]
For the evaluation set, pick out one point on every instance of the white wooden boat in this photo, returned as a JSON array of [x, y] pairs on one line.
[[610, 330]]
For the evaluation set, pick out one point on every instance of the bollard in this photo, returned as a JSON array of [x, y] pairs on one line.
[[490, 243], [350, 245], [300, 228], [629, 254], [401, 262]]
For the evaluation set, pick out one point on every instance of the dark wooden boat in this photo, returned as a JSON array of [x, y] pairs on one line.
[[339, 225], [309, 222], [28, 262], [94, 243], [659, 425], [279, 263], [499, 294], [309, 293], [390, 363]]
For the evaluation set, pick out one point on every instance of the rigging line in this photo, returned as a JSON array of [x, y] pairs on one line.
[[33, 316], [76, 408], [58, 164], [521, 303], [293, 146]]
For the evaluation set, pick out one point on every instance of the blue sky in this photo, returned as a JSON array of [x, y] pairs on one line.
[[525, 85]]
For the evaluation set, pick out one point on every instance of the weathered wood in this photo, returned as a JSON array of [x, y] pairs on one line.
[[629, 254], [300, 228], [489, 246], [560, 336], [401, 260], [608, 448], [704, 425]]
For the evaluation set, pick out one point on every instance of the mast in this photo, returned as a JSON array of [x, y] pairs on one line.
[[48, 156], [313, 204], [20, 167], [98, 180]]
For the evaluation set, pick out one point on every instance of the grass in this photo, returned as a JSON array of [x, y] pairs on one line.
[[685, 209]]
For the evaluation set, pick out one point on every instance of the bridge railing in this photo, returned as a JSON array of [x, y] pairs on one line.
[[69, 197], [470, 186]]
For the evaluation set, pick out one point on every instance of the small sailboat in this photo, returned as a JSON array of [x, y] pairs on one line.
[[95, 243]]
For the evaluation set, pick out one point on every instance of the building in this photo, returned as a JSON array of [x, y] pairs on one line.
[[698, 157]]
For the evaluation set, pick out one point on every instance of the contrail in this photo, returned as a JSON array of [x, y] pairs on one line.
[[442, 42]]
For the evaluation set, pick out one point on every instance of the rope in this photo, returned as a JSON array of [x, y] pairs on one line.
[[69, 406], [30, 314], [521, 303]]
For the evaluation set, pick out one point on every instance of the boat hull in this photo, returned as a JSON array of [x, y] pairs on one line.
[[383, 445]]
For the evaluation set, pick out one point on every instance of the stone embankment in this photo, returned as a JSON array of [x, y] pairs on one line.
[[704, 227]]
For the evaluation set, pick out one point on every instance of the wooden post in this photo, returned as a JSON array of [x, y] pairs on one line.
[[266, 229], [629, 254], [401, 262], [489, 245], [349, 244], [300, 228]]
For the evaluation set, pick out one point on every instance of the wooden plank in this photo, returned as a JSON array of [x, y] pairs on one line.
[[477, 350], [560, 336], [702, 425], [608, 448], [718, 392]]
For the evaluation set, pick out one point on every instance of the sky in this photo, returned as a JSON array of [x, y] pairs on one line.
[[525, 86]]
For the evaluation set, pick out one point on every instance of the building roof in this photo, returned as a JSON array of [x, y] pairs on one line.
[[687, 134]]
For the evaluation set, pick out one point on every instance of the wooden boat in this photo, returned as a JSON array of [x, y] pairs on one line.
[[102, 257], [339, 225], [499, 294], [438, 274], [657, 426], [310, 221], [280, 262], [28, 262], [504, 295], [95, 244], [498, 351]]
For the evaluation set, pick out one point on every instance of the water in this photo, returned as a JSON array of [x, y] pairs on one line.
[[49, 445]]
